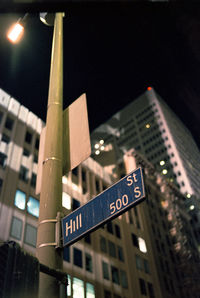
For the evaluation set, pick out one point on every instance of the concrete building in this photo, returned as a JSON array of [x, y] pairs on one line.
[[151, 127], [148, 251]]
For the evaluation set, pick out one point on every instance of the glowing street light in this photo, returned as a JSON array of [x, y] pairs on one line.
[[16, 31], [99, 147], [162, 162], [164, 171]]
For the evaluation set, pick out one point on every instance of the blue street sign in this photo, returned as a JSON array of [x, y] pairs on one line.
[[112, 202]]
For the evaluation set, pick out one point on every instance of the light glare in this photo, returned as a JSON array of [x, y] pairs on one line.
[[15, 33], [162, 162], [142, 245], [164, 172]]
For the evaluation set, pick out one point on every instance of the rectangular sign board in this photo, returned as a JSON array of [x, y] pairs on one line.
[[112, 202]]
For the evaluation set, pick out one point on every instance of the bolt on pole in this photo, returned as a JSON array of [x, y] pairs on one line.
[[51, 189]]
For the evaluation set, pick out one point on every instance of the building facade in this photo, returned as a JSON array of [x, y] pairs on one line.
[[151, 127], [148, 251]]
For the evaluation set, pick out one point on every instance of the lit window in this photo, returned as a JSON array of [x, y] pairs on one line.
[[20, 199], [64, 179], [164, 171], [90, 293], [30, 236], [69, 280], [16, 228], [66, 201], [33, 206], [78, 288], [162, 162], [142, 245]]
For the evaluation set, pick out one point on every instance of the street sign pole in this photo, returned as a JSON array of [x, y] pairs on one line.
[[51, 186], [115, 200]]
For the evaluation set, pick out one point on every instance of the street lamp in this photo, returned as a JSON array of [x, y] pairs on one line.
[[15, 33], [51, 189]]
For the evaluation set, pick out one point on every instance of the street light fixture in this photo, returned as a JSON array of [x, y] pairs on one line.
[[16, 31], [48, 248]]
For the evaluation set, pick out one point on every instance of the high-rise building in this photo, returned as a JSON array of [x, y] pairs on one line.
[[148, 251], [152, 128]]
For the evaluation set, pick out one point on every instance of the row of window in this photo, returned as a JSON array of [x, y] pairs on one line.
[[24, 176], [152, 138], [142, 264], [77, 288], [111, 248], [156, 154], [30, 232], [151, 114], [145, 111], [30, 204], [9, 123], [114, 274], [113, 229], [78, 259]]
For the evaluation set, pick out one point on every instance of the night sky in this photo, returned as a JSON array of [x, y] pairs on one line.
[[113, 53]]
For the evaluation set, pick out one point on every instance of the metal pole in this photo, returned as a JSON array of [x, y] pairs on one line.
[[51, 190]]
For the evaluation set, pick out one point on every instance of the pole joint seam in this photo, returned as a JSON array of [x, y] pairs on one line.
[[51, 158], [47, 221], [54, 103], [47, 244]]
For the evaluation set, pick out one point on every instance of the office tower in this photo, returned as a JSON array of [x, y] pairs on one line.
[[148, 251], [151, 127]]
